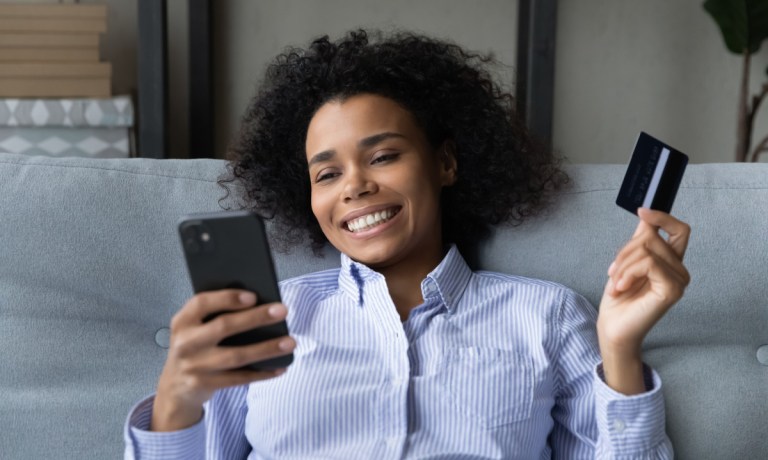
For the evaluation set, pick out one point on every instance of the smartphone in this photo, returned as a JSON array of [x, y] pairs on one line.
[[230, 250]]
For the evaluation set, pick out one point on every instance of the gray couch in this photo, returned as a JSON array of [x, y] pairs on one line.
[[91, 273]]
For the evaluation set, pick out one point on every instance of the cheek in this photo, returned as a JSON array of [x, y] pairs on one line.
[[320, 208], [427, 193]]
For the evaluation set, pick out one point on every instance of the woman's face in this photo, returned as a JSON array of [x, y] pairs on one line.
[[376, 181]]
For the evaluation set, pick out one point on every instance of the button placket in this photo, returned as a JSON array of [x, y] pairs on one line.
[[393, 397]]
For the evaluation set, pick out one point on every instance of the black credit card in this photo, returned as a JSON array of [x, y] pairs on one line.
[[653, 176]]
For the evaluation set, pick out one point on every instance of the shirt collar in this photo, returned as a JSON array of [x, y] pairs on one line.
[[446, 283]]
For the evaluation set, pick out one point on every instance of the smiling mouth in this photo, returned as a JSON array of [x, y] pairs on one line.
[[371, 220]]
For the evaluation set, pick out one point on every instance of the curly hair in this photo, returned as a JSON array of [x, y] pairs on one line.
[[504, 175]]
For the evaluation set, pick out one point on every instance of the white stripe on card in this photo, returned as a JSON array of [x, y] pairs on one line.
[[651, 193]]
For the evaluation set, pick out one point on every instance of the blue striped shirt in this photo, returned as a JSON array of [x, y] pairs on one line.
[[489, 366]]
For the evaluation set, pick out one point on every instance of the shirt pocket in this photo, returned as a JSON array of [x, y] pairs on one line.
[[490, 385]]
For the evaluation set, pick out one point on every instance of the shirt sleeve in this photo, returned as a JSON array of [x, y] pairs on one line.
[[219, 435], [591, 419]]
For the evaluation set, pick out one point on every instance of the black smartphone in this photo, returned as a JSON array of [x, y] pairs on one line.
[[230, 250]]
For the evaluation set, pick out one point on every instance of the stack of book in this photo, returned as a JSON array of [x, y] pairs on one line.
[[52, 50], [55, 94], [85, 127]]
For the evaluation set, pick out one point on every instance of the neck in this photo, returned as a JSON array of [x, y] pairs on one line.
[[404, 281]]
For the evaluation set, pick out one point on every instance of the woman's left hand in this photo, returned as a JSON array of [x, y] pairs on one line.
[[645, 280]]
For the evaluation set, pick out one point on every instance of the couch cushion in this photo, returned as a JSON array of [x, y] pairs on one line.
[[92, 272]]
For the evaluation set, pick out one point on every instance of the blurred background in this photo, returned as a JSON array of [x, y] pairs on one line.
[[620, 66]]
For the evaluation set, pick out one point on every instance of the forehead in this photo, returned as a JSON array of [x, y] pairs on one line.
[[347, 121]]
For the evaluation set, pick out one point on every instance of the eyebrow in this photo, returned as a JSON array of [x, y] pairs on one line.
[[367, 142], [322, 157], [376, 138]]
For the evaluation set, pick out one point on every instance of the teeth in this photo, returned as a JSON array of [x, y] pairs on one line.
[[370, 220]]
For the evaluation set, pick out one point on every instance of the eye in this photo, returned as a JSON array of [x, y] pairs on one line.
[[384, 157], [325, 175]]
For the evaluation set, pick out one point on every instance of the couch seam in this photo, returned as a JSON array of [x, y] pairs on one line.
[[689, 187], [564, 192], [125, 171]]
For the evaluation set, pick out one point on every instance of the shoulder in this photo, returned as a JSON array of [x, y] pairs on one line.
[[528, 293], [521, 285]]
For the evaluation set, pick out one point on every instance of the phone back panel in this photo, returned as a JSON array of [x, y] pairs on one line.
[[230, 250]]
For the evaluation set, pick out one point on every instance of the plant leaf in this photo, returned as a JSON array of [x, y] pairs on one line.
[[743, 23]]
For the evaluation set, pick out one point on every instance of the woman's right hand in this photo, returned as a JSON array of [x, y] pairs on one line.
[[196, 366]]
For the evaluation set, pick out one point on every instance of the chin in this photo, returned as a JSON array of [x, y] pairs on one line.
[[373, 256]]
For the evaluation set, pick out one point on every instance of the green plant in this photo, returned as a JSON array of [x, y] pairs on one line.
[[744, 25]]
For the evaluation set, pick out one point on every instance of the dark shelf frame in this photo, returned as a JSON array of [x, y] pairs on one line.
[[152, 63], [201, 109], [535, 76]]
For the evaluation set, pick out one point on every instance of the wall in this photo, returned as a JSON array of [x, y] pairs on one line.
[[622, 66], [654, 65], [248, 34]]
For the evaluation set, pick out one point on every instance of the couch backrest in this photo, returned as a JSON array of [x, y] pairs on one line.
[[91, 273]]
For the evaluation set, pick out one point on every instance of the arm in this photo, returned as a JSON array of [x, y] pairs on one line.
[[219, 435], [591, 419], [196, 366], [622, 396], [645, 280], [175, 423]]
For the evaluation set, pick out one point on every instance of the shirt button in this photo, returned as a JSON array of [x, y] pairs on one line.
[[619, 426]]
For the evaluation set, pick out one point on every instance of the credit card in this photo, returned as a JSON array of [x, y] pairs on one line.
[[653, 176]]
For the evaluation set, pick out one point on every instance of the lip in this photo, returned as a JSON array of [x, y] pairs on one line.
[[365, 211]]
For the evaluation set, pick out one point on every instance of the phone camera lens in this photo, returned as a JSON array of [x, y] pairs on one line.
[[192, 246]]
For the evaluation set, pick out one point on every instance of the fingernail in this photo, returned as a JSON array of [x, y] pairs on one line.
[[611, 268], [641, 209], [247, 298], [286, 344], [276, 310]]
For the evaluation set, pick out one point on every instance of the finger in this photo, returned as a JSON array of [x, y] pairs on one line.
[[229, 358], [678, 231], [644, 227], [665, 282], [192, 340], [232, 323], [610, 288], [640, 247], [206, 303]]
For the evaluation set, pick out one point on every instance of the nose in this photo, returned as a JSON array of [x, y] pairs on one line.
[[357, 185]]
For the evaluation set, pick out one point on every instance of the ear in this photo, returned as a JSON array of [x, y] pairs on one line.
[[448, 167]]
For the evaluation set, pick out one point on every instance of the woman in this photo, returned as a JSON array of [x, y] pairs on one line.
[[400, 153]]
